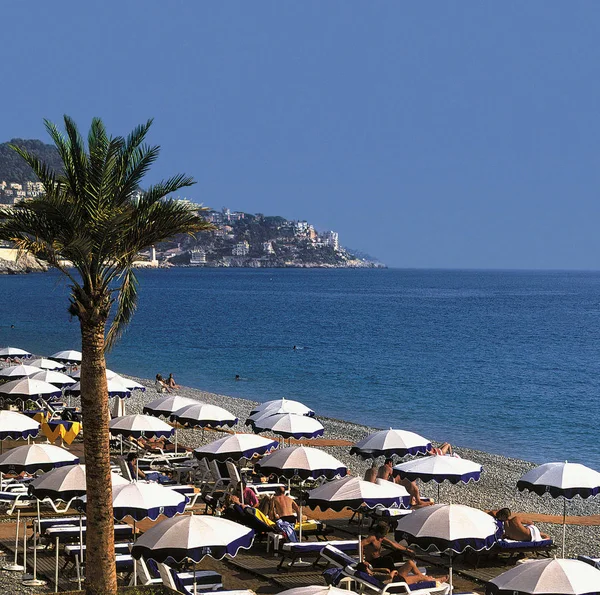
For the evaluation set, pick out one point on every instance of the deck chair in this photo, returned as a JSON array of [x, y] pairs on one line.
[[221, 480], [260, 489], [124, 468], [183, 582], [365, 580]]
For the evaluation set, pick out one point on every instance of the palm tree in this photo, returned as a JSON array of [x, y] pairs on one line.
[[90, 224]]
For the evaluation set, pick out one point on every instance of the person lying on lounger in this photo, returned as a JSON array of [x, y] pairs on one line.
[[518, 528], [408, 573], [413, 490], [444, 449], [372, 548]]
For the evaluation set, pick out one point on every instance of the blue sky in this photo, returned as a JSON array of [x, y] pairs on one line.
[[439, 134]]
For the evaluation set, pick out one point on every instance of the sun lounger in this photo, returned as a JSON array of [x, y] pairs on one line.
[[67, 533], [148, 573], [306, 549], [206, 580], [370, 582], [595, 562], [511, 550], [260, 489]]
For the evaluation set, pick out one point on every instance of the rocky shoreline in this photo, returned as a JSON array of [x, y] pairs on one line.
[[496, 488]]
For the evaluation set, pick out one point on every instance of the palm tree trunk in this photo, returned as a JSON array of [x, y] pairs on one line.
[[101, 576]]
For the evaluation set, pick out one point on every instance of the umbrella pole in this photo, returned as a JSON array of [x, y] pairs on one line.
[[35, 581], [14, 565], [360, 556], [80, 565], [439, 502], [56, 567], [134, 560], [564, 525], [24, 545], [450, 575], [175, 439]]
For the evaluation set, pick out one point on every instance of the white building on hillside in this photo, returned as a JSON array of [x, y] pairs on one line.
[[197, 257], [268, 248], [331, 238], [241, 249]]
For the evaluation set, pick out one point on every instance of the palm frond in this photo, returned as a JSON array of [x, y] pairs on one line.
[[126, 305]]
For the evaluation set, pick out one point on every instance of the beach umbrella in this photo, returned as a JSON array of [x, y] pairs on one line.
[[21, 371], [203, 415], [189, 538], [554, 576], [114, 386], [12, 352], [128, 383], [301, 461], [140, 425], [285, 407], [235, 447], [387, 443], [67, 357], [77, 374], [32, 458], [289, 425], [141, 499], [448, 528], [167, 405], [47, 364], [17, 426], [27, 388], [354, 493], [439, 468], [288, 405], [561, 480], [58, 379]]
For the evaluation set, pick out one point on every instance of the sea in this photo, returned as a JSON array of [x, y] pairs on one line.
[[502, 361]]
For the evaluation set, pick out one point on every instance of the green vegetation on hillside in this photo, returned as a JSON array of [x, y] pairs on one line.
[[14, 169]]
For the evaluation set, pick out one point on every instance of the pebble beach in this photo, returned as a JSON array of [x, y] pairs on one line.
[[495, 489]]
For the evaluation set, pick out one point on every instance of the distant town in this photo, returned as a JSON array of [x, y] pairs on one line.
[[238, 240]]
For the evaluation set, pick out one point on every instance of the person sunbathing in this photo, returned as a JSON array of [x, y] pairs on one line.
[[518, 528], [413, 490], [442, 450], [371, 473], [408, 573], [371, 548], [386, 470], [170, 382]]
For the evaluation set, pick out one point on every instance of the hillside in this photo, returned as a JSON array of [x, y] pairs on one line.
[[12, 166]]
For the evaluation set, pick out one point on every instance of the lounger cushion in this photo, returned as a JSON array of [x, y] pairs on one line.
[[317, 546], [423, 585], [509, 544], [338, 556]]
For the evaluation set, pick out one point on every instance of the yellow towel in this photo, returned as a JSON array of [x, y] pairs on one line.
[[72, 432]]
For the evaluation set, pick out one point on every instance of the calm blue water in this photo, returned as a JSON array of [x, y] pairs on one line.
[[502, 361]]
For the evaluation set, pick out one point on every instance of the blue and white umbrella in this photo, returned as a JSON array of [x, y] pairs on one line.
[[548, 577], [289, 425], [355, 493], [449, 528], [286, 405], [203, 415], [140, 500], [27, 388], [439, 468], [303, 462], [53, 377], [32, 458], [236, 447], [128, 383], [12, 352], [561, 480], [114, 386], [16, 372], [140, 425], [167, 405], [387, 443], [17, 426], [47, 364], [70, 356], [191, 538]]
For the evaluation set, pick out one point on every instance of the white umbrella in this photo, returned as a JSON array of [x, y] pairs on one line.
[[235, 447], [565, 480], [167, 405], [303, 462], [551, 577], [289, 405], [140, 425], [77, 374], [204, 415], [46, 364], [26, 388], [22, 371], [192, 537], [354, 493], [114, 386], [128, 383], [52, 377], [69, 356], [391, 442], [12, 352], [141, 499], [289, 425], [449, 528], [16, 425], [439, 468]]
